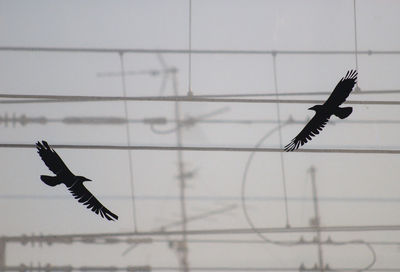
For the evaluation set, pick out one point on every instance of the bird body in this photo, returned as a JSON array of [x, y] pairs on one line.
[[51, 181], [74, 183], [324, 112], [343, 113]]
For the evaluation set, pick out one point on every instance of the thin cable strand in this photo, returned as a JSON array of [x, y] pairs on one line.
[[219, 95], [128, 139], [172, 268], [239, 231], [196, 99], [190, 50], [207, 148], [278, 113], [355, 35], [197, 51], [243, 193]]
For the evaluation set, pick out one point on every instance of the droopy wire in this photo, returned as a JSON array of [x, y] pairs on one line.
[[291, 243], [243, 190], [358, 242]]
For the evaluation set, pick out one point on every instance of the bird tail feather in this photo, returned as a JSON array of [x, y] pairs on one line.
[[51, 181], [343, 112]]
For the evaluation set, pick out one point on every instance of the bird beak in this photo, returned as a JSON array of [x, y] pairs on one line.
[[88, 179]]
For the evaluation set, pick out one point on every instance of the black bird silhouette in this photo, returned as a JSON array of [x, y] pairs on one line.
[[325, 111], [73, 183]]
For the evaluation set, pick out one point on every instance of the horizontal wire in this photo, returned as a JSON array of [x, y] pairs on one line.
[[300, 242], [201, 148], [81, 98], [51, 239], [31, 101], [365, 228], [207, 148], [160, 121], [167, 268], [210, 198], [196, 51], [45, 100], [70, 268], [363, 92]]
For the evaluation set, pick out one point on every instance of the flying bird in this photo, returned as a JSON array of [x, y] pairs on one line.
[[325, 111], [73, 183]]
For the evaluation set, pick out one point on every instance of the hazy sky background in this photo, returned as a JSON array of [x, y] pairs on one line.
[[354, 189]]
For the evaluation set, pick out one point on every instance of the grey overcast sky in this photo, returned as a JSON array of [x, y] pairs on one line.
[[353, 189]]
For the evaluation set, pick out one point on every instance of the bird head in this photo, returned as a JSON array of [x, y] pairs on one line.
[[83, 178]]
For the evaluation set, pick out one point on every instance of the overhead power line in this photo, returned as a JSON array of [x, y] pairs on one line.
[[128, 139], [237, 231], [69, 268], [301, 242], [195, 51], [50, 240], [208, 148], [81, 98], [268, 93], [158, 121], [202, 198], [264, 94]]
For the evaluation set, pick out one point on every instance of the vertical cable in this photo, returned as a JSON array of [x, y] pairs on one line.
[[317, 218], [182, 181], [190, 50], [128, 137], [355, 36], [165, 72], [278, 112]]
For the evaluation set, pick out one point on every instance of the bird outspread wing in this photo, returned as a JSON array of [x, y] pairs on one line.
[[51, 158], [342, 89], [82, 194], [313, 127]]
